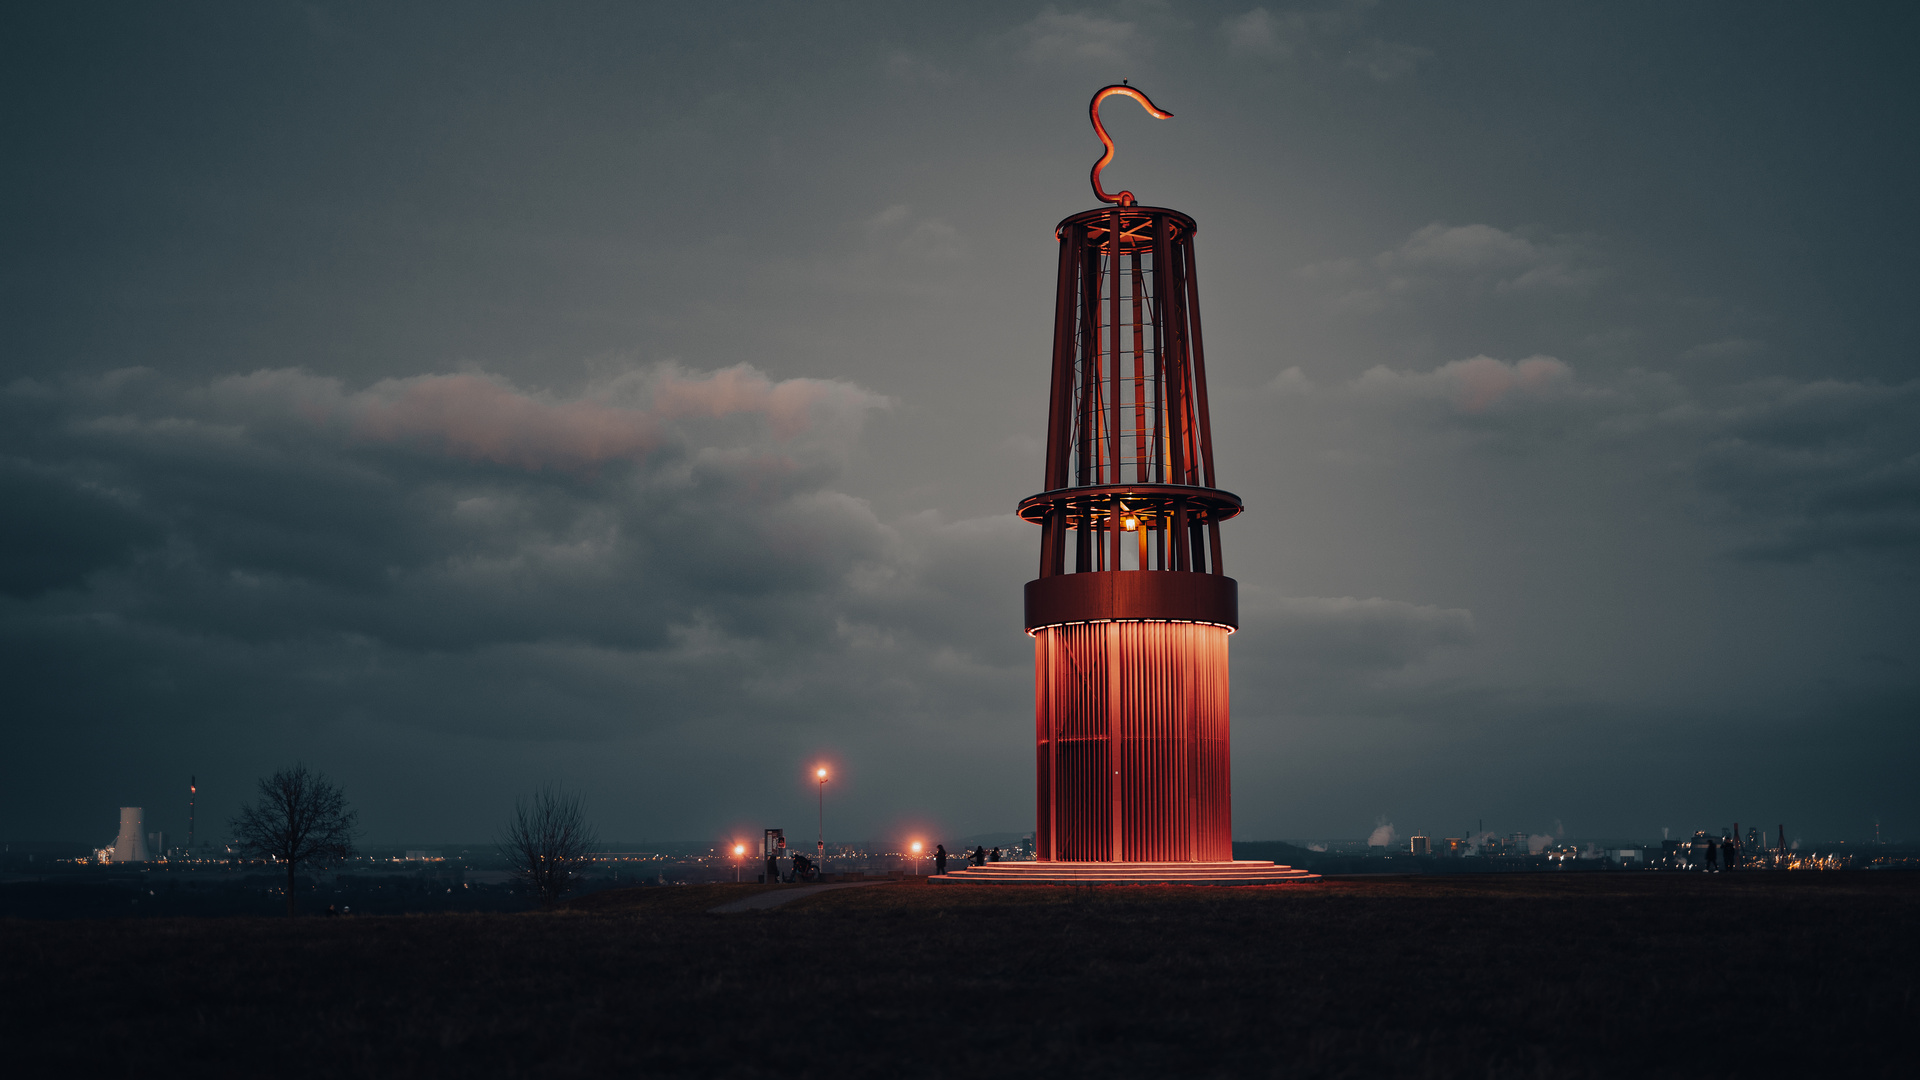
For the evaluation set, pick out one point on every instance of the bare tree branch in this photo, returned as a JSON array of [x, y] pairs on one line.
[[549, 843], [301, 818]]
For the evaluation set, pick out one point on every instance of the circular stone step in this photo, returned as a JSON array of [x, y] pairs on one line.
[[1242, 872]]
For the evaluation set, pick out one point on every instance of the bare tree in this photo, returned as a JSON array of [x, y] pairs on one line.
[[549, 843], [301, 818]]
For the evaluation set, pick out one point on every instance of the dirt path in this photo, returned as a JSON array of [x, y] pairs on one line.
[[762, 901]]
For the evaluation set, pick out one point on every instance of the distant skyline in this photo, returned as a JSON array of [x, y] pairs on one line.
[[459, 399]]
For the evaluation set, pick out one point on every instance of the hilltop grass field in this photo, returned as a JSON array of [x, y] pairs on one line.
[[1594, 975]]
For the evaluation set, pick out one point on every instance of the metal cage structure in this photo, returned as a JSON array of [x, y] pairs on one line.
[[1132, 609]]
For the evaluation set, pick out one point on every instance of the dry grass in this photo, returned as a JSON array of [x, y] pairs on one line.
[[1535, 975]]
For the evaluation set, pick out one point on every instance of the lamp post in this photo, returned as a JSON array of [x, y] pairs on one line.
[[738, 850], [821, 844], [916, 858]]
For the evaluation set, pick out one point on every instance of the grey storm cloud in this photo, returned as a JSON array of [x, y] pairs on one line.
[[1798, 468], [1453, 262]]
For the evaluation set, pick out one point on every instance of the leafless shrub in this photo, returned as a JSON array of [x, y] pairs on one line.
[[301, 818], [549, 843]]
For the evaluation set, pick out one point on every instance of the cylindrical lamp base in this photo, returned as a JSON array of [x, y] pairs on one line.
[[1132, 726]]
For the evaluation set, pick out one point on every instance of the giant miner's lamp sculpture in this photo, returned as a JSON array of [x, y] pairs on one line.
[[1132, 610]]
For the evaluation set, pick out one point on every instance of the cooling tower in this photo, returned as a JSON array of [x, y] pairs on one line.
[[131, 844]]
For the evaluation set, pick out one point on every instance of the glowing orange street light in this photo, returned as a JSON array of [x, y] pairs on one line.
[[820, 774], [916, 858], [738, 850]]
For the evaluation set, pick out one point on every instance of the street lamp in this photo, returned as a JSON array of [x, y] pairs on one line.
[[821, 844], [738, 850], [916, 858]]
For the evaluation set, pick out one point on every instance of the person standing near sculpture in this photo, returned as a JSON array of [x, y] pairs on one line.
[[939, 858]]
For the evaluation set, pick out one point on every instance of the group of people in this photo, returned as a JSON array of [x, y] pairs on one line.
[[979, 856], [805, 870]]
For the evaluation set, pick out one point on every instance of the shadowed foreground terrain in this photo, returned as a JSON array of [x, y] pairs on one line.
[[1526, 975]]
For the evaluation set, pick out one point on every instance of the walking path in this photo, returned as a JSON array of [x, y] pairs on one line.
[[775, 897]]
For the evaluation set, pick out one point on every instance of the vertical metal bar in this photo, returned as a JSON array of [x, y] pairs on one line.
[[1179, 537], [1200, 395], [1189, 460], [1199, 362], [1087, 283], [1178, 398], [1060, 402], [1113, 729], [1165, 279], [1053, 747], [1139, 375], [1113, 424], [1161, 341], [1043, 743], [1159, 347], [1177, 372], [1060, 395]]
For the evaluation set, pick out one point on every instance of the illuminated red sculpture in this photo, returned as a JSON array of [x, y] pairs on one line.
[[1132, 609]]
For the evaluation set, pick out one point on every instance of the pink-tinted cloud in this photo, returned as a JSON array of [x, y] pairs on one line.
[[1477, 384], [484, 418], [1482, 382], [480, 418], [788, 405]]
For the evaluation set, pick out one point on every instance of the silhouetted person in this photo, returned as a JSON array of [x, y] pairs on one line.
[[332, 911], [939, 858], [995, 857]]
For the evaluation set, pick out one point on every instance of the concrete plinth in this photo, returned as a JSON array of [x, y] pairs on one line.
[[1242, 872]]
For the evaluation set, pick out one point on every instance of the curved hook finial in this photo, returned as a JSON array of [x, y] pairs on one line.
[[1125, 198]]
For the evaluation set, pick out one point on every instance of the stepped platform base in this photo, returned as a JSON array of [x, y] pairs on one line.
[[1239, 872]]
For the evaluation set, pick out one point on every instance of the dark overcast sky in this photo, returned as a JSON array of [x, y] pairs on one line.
[[460, 397]]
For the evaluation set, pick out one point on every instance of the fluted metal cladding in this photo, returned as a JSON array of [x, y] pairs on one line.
[[1132, 722]]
